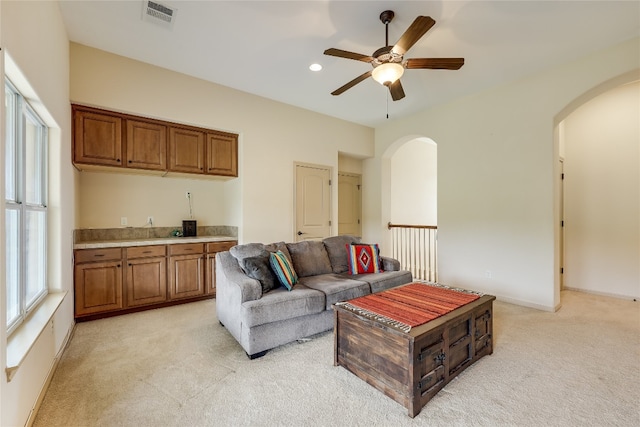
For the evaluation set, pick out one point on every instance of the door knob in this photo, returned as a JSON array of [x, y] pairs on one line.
[[300, 233]]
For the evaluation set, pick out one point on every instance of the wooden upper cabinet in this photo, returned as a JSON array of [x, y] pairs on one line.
[[186, 150], [222, 154], [97, 138], [108, 138], [146, 145]]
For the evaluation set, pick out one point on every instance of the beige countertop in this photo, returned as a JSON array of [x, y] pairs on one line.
[[100, 244]]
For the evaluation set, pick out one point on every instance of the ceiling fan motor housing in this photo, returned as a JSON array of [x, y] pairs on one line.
[[384, 55]]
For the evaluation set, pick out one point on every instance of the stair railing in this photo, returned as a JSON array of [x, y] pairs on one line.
[[416, 247]]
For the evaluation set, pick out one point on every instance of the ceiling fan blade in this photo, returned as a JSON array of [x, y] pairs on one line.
[[417, 29], [352, 83], [349, 55], [435, 63], [396, 90]]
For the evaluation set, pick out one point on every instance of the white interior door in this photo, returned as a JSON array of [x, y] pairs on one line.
[[313, 202], [349, 204]]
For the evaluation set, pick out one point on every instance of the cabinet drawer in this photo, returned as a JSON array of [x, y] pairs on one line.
[[186, 249], [91, 255], [220, 246], [146, 251]]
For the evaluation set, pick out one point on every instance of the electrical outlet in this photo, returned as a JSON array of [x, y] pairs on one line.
[[149, 220], [123, 220], [488, 274]]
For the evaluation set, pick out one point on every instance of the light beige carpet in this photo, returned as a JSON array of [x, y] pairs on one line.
[[177, 366]]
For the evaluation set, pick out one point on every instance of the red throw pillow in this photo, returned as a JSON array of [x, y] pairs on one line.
[[363, 258]]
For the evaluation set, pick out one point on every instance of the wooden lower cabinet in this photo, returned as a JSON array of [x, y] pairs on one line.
[[186, 270], [98, 287], [186, 276], [119, 280], [212, 249], [146, 275]]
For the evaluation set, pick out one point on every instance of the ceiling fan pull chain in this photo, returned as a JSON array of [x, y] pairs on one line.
[[387, 105]]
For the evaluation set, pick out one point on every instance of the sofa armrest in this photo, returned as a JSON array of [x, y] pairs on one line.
[[231, 279], [390, 264]]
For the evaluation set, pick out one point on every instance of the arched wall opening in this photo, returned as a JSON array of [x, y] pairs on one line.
[[409, 197], [597, 144], [414, 183]]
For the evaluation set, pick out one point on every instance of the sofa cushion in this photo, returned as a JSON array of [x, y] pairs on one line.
[[259, 268], [336, 249], [383, 281], [363, 258], [337, 288], [309, 258], [283, 269], [279, 246], [240, 252], [280, 304]]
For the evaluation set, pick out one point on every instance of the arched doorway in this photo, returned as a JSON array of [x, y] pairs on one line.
[[597, 139], [412, 204]]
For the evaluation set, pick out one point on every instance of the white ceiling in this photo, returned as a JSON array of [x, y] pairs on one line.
[[266, 47]]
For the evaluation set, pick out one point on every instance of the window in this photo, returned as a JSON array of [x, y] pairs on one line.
[[25, 207]]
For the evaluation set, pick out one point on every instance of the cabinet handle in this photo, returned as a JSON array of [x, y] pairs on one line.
[[98, 255], [118, 160], [130, 161], [129, 264], [118, 265], [146, 252]]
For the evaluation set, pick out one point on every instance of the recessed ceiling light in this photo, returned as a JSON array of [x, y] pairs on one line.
[[315, 67]]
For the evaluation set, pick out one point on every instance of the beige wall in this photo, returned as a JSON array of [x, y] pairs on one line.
[[106, 197], [498, 188], [602, 194], [33, 34], [348, 164], [272, 137]]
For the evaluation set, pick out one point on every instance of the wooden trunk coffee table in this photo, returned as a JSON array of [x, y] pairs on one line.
[[412, 366]]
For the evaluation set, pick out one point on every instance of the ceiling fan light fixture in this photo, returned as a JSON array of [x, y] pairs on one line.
[[387, 73]]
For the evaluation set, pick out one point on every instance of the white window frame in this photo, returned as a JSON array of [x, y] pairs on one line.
[[18, 113]]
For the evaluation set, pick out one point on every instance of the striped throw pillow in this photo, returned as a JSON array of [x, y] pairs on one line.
[[284, 270], [363, 258]]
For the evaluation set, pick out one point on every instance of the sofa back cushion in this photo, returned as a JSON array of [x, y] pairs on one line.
[[337, 251], [240, 252], [309, 258], [279, 246]]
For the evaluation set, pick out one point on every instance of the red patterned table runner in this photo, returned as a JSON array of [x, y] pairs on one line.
[[411, 305]]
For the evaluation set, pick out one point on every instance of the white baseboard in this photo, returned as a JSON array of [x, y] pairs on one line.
[[602, 294], [528, 304]]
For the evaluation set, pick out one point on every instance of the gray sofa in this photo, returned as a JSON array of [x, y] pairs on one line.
[[261, 318]]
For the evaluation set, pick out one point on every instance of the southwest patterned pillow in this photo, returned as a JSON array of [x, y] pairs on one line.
[[363, 258], [284, 270]]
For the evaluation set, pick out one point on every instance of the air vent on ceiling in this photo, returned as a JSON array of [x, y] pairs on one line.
[[158, 13]]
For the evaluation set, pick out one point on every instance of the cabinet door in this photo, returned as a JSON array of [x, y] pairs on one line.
[[212, 249], [97, 138], [146, 145], [186, 150], [98, 287], [186, 276], [222, 155], [211, 274], [146, 281]]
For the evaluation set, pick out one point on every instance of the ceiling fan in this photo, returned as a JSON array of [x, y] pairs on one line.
[[388, 62]]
